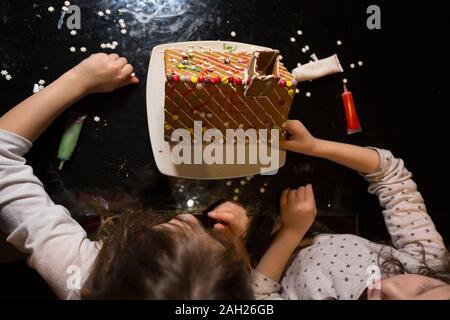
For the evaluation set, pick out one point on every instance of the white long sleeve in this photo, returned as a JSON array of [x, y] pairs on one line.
[[38, 227]]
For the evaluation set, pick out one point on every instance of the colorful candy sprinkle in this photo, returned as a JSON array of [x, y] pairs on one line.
[[181, 66], [183, 78], [175, 117], [289, 84], [194, 79], [291, 92], [187, 79], [282, 83], [238, 81], [176, 78]]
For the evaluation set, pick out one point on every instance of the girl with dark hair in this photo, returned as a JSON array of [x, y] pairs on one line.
[[349, 267]]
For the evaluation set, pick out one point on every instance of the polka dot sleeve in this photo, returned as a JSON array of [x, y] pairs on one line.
[[265, 288], [410, 227]]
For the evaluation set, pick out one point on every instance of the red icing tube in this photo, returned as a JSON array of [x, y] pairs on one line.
[[351, 116]]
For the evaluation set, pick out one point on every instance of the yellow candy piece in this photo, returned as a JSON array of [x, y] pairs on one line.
[[181, 66], [225, 80], [204, 129], [175, 117], [289, 84], [191, 130], [194, 79], [168, 127], [291, 92]]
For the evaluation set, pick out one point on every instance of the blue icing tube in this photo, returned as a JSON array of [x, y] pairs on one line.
[[70, 137]]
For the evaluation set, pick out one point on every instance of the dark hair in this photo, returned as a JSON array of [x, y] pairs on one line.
[[141, 261], [392, 266]]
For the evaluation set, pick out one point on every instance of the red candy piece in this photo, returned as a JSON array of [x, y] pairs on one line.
[[231, 79], [176, 78], [216, 80], [238, 81], [201, 79], [248, 81], [282, 83]]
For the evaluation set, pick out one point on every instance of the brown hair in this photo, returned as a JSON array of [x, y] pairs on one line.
[[392, 266], [141, 261]]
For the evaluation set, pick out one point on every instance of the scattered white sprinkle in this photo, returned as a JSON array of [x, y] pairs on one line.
[[107, 11], [115, 43], [97, 119], [233, 33], [360, 63], [280, 57], [352, 66], [241, 126], [292, 39], [41, 88], [344, 80], [202, 114], [226, 124], [308, 94], [8, 77], [339, 43], [249, 178], [299, 32], [190, 203], [133, 75], [67, 3], [100, 13], [297, 91], [299, 65], [72, 49], [73, 32], [236, 190], [103, 46], [123, 25], [228, 183], [35, 88], [123, 31], [51, 9], [329, 205], [266, 184], [243, 182], [307, 48], [41, 82], [108, 45], [4, 72], [262, 190], [83, 49], [64, 8], [303, 50], [235, 198], [209, 115], [121, 21]]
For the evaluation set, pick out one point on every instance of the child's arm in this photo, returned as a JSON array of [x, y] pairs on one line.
[[298, 210], [58, 247], [361, 159], [411, 229], [99, 73]]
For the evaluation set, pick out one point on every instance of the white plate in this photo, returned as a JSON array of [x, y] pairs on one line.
[[155, 113]]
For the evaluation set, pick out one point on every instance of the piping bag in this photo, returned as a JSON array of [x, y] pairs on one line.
[[351, 116], [70, 137], [317, 69]]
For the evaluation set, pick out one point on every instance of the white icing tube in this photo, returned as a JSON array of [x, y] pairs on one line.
[[317, 69]]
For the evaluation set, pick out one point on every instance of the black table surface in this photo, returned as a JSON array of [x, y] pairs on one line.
[[400, 92]]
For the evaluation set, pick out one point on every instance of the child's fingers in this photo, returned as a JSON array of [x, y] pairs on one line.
[[310, 195], [301, 194], [284, 198], [221, 216], [219, 227], [287, 144], [122, 62], [114, 56], [292, 126], [292, 196]]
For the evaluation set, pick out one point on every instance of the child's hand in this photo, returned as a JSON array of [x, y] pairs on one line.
[[298, 209], [232, 216], [300, 141], [103, 72]]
